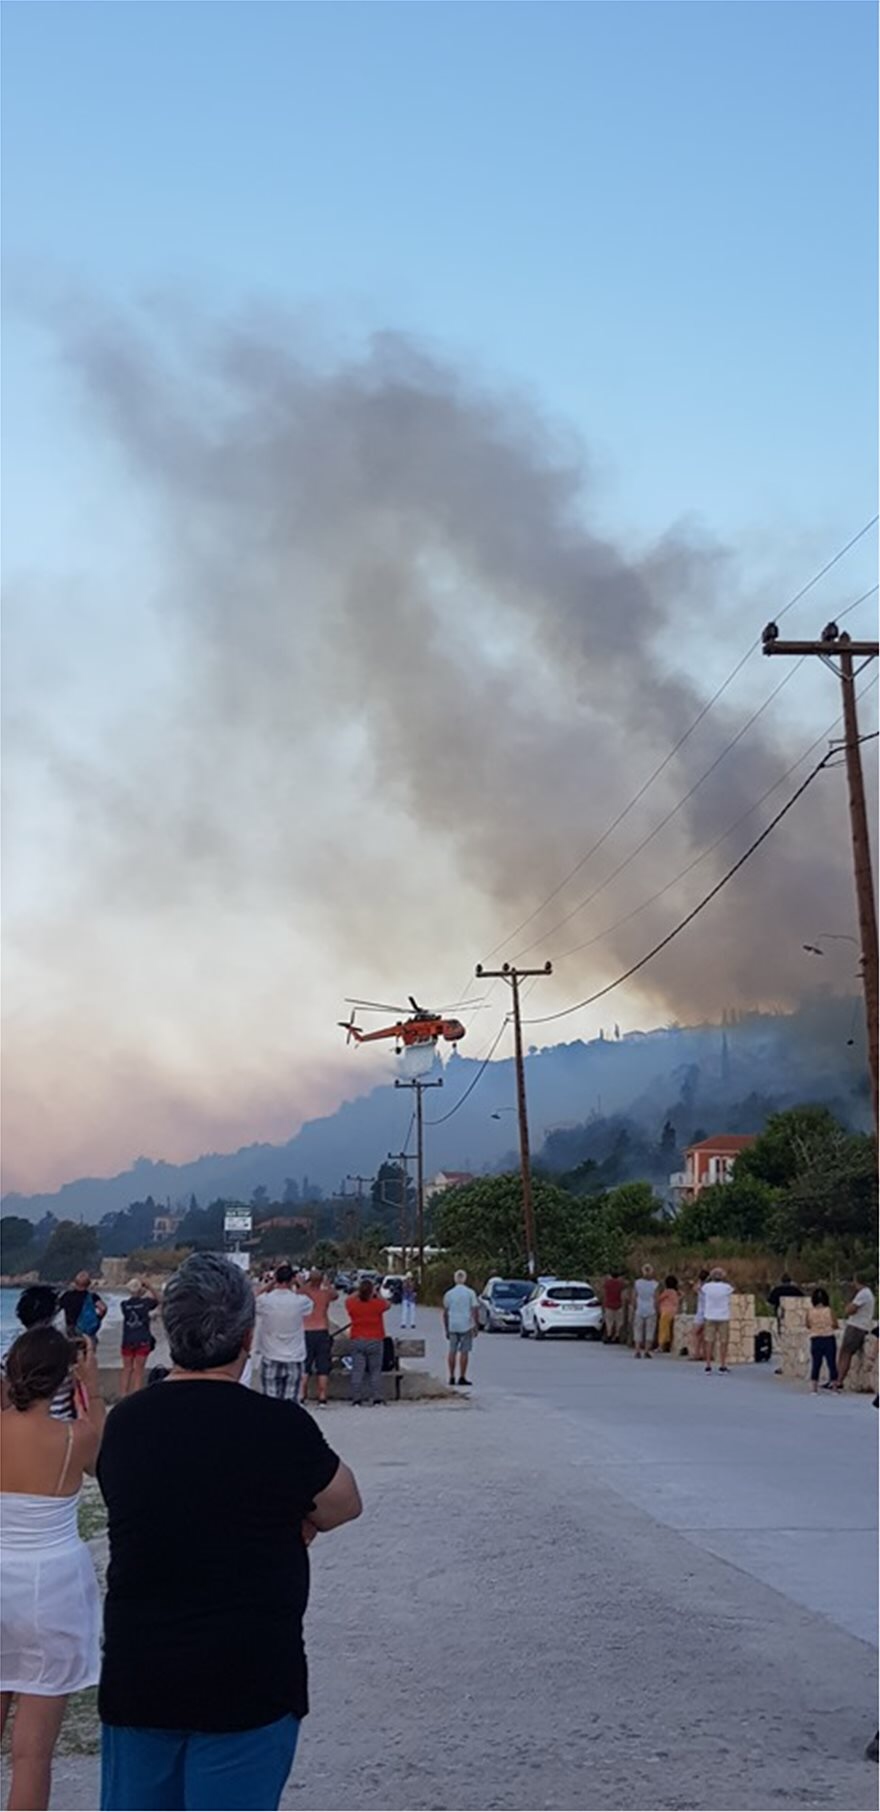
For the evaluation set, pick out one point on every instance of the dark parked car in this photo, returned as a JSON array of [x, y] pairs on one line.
[[499, 1306]]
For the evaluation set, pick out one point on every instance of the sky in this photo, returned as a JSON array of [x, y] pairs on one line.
[[411, 414]]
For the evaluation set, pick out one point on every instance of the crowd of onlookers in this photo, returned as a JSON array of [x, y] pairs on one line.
[[643, 1314], [213, 1496]]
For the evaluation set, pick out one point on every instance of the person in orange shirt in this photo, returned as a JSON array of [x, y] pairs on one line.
[[319, 1340], [668, 1304], [366, 1312]]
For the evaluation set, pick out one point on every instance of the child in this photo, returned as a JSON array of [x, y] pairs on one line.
[[668, 1303], [822, 1329]]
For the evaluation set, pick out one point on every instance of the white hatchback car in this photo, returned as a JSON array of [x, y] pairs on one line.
[[562, 1308]]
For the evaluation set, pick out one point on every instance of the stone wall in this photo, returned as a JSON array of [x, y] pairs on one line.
[[744, 1325]]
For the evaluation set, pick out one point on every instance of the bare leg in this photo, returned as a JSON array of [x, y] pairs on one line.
[[137, 1380], [723, 1342], [322, 1388], [34, 1735], [127, 1368], [844, 1361], [5, 1702]]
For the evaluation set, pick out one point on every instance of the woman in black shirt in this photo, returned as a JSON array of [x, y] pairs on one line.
[[137, 1341]]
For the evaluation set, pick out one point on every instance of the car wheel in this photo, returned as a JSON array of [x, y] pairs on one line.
[[581, 1334], [539, 1332], [595, 1333], [523, 1332]]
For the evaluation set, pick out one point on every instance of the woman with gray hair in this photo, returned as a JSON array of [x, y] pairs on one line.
[[213, 1495]]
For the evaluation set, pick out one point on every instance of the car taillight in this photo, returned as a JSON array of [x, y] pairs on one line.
[[547, 1302]]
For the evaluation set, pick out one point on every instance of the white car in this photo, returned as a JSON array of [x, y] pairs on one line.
[[562, 1308]]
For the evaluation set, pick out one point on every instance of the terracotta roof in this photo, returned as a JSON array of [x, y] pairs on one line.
[[726, 1141]]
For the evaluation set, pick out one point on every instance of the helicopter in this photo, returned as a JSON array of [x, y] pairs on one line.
[[423, 1026]]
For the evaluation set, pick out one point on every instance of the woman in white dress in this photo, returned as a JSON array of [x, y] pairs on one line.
[[50, 1609]]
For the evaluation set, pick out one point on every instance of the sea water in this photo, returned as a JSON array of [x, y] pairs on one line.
[[111, 1326]]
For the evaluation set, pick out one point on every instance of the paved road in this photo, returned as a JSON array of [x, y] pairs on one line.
[[755, 1470], [557, 1597]]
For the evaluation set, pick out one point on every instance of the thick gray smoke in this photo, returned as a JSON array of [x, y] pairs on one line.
[[392, 614]]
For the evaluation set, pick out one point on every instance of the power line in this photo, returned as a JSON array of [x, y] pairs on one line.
[[478, 1077], [703, 712], [700, 907], [649, 837], [710, 847]]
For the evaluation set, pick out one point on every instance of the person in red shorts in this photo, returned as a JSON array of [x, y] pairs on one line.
[[137, 1340]]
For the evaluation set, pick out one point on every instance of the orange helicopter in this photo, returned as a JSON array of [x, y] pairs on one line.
[[421, 1027]]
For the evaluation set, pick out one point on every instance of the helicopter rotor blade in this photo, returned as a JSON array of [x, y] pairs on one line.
[[375, 1006]]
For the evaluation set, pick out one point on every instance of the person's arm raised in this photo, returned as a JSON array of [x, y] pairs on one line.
[[91, 1412]]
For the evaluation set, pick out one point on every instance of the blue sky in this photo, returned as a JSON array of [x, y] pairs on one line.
[[656, 220]]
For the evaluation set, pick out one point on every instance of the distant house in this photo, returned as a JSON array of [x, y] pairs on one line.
[[447, 1179], [711, 1161], [164, 1228]]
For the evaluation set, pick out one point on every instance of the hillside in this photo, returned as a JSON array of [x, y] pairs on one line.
[[692, 1075]]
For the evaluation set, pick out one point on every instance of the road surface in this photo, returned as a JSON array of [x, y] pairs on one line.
[[597, 1584]]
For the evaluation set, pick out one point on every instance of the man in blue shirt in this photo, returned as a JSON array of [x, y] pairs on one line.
[[460, 1322]]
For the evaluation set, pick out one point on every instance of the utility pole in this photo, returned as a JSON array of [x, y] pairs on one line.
[[403, 1158], [834, 648], [419, 1084], [514, 976], [359, 1198]]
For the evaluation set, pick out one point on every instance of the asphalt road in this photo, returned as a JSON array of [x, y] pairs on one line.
[[597, 1584]]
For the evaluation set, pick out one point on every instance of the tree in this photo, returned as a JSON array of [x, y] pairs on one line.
[[260, 1198], [668, 1144], [291, 1191], [388, 1194], [633, 1209], [71, 1248], [790, 1143], [743, 1209], [483, 1220], [17, 1245], [325, 1255]]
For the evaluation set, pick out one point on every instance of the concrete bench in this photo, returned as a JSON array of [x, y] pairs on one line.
[[404, 1348]]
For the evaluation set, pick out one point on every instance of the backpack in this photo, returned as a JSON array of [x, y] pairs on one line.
[[763, 1347], [389, 1358], [88, 1320]]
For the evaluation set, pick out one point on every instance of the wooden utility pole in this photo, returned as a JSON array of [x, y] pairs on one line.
[[419, 1084], [403, 1158], [359, 1198], [514, 976], [839, 653]]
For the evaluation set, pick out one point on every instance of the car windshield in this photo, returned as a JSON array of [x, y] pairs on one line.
[[511, 1292], [574, 1292]]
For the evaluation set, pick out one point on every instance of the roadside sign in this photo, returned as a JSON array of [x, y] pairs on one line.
[[238, 1221]]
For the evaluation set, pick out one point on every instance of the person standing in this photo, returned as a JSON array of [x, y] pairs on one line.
[[699, 1346], [281, 1317], [213, 1495], [408, 1303], [612, 1308], [668, 1304], [83, 1308], [822, 1329], [859, 1316], [50, 1607], [716, 1302], [461, 1325], [137, 1340], [366, 1313], [319, 1340], [645, 1315], [776, 1297]]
